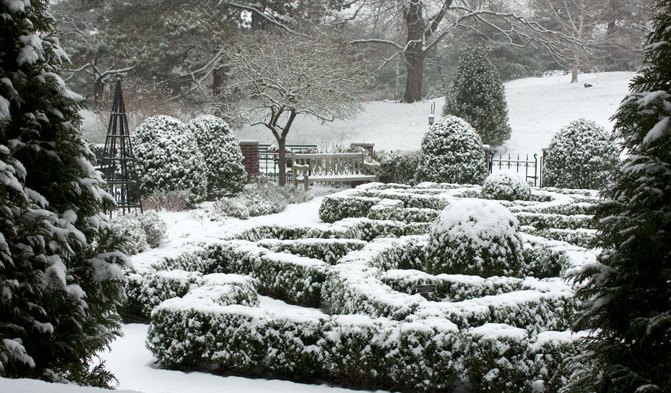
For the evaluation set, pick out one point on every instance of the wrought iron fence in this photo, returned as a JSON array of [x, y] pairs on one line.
[[269, 159], [530, 167]]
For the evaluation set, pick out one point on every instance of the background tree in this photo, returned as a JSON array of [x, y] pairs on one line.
[[627, 293], [60, 274], [282, 77], [427, 22], [578, 19], [476, 94]]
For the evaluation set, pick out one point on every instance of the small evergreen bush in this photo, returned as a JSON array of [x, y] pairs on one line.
[[154, 228], [475, 237], [169, 158], [476, 94], [581, 155], [505, 185], [397, 166], [223, 157], [140, 232], [451, 153]]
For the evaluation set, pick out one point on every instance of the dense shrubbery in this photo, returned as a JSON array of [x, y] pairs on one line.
[[505, 185], [475, 237], [581, 155], [397, 167], [139, 232], [451, 153], [169, 158], [222, 154], [259, 198], [476, 94]]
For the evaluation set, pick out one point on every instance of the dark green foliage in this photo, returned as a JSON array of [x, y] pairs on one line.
[[581, 155], [397, 167], [476, 95], [628, 295], [60, 277]]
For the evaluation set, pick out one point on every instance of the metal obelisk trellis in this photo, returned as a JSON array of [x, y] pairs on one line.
[[118, 161]]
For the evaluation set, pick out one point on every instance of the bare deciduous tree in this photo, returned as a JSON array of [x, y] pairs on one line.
[[428, 22], [282, 76]]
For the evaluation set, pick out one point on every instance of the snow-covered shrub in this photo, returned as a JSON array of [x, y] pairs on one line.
[[557, 221], [451, 153], [146, 292], [173, 201], [505, 185], [476, 237], [581, 155], [129, 228], [337, 207], [259, 198], [169, 158], [476, 94], [397, 166], [154, 227], [541, 261], [222, 153], [327, 250]]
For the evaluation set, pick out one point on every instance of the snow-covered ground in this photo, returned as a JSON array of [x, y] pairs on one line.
[[537, 107]]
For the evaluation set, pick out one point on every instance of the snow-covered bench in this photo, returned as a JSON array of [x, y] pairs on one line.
[[332, 168]]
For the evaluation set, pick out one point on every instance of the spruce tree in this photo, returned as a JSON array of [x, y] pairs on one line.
[[476, 95], [627, 294], [60, 269]]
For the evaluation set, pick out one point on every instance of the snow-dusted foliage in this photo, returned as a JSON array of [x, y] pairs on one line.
[[627, 293], [476, 237], [476, 94], [223, 157], [581, 155], [258, 198], [451, 153], [139, 232], [505, 185], [61, 277], [169, 158], [397, 166]]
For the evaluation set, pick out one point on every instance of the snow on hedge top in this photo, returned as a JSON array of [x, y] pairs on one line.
[[505, 185], [452, 152], [476, 219], [496, 331], [209, 124]]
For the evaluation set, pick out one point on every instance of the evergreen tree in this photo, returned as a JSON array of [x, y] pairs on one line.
[[627, 294], [476, 95], [60, 270]]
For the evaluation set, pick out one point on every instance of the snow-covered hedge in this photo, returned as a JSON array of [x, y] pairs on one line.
[[139, 231], [476, 237], [557, 221], [169, 158], [397, 166], [222, 154], [155, 229], [505, 185], [581, 155], [424, 355], [327, 250], [452, 153], [337, 207]]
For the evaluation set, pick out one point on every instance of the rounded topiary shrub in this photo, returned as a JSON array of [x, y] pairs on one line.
[[581, 155], [505, 185], [451, 153], [223, 157], [475, 237], [169, 158]]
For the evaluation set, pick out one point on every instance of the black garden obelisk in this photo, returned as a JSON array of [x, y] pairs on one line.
[[118, 161]]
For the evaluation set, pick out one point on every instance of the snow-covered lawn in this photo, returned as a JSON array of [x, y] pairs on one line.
[[537, 108]]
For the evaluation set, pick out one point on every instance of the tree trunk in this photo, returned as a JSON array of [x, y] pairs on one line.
[[282, 162], [574, 74], [98, 91], [415, 75]]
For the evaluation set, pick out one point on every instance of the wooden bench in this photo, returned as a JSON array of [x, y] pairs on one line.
[[332, 168]]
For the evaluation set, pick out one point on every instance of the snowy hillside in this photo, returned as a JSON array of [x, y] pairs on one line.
[[538, 107]]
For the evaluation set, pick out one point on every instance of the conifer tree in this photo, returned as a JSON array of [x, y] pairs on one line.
[[627, 294], [476, 95], [60, 269]]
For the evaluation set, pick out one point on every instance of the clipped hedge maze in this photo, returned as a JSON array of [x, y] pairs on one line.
[[362, 323]]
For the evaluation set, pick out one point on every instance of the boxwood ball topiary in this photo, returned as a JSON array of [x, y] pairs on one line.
[[475, 237], [581, 155], [452, 153], [169, 158], [506, 186], [223, 157]]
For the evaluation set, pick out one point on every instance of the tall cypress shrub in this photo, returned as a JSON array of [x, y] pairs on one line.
[[627, 294], [60, 274], [476, 94]]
